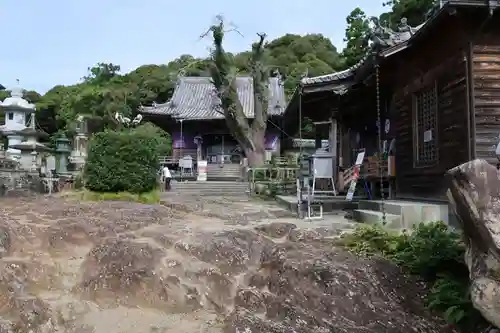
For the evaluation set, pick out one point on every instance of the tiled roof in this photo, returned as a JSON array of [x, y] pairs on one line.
[[195, 98]]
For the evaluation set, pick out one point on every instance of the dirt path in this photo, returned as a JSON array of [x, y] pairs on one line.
[[189, 265]]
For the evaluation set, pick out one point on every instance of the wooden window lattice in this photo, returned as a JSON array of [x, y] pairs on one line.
[[426, 153]]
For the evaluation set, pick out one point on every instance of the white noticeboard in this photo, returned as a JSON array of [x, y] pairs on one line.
[[428, 136], [202, 171], [360, 158]]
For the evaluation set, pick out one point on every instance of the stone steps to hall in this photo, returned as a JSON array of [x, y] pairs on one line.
[[210, 188], [224, 171]]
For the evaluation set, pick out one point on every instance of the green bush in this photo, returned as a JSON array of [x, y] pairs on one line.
[[126, 160], [434, 253], [372, 239], [450, 295], [429, 250]]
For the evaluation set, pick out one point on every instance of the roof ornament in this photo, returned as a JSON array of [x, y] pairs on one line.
[[404, 26], [17, 91], [380, 35], [304, 76]]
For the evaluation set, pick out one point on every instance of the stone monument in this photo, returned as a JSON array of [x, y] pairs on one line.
[[78, 155]]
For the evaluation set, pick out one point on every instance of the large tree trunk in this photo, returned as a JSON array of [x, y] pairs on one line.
[[257, 155], [250, 137]]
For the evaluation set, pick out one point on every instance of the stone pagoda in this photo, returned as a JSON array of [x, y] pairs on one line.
[[21, 132]]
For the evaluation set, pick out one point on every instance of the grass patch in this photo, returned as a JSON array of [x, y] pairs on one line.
[[151, 197], [432, 252]]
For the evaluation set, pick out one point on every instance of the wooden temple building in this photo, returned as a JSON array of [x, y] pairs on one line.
[[434, 90], [196, 121]]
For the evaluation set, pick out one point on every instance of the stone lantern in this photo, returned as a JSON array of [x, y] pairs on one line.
[[63, 150], [79, 153], [17, 113]]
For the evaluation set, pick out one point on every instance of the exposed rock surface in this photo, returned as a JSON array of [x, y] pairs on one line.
[[474, 192], [199, 265]]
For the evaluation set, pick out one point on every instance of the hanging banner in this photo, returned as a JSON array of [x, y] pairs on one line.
[[354, 182]]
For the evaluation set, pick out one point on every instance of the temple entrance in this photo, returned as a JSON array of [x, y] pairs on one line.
[[221, 149]]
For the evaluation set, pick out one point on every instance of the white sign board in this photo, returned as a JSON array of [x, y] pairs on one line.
[[360, 158], [428, 136], [202, 171]]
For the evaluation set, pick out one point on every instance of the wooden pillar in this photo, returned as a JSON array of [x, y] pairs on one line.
[[332, 142]]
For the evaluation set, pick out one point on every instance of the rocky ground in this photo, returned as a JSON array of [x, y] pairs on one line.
[[191, 265]]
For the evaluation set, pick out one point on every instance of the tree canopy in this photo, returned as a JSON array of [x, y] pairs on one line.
[[105, 90]]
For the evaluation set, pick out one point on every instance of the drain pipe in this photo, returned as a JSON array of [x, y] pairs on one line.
[[469, 81], [471, 107]]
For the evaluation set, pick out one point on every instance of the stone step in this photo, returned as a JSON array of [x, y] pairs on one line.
[[228, 167], [208, 190], [372, 217], [411, 212], [214, 188], [210, 184]]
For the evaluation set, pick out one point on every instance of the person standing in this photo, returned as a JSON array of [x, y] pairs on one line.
[[167, 177]]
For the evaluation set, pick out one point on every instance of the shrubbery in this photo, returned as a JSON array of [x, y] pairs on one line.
[[432, 252], [125, 160]]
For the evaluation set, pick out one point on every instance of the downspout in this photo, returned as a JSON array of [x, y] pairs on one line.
[[471, 98], [471, 102]]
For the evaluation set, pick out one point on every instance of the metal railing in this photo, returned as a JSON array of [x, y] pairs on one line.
[[277, 179]]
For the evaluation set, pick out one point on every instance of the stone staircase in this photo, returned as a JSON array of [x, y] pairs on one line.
[[210, 188], [224, 171], [401, 214]]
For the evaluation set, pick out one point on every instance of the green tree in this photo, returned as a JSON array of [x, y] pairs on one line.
[[105, 91], [250, 136], [295, 55], [356, 37]]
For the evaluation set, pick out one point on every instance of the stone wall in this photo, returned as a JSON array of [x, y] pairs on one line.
[[19, 183]]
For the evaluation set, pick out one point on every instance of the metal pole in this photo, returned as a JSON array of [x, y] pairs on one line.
[[222, 151], [380, 153], [182, 146]]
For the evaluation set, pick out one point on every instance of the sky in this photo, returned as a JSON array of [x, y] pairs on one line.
[[52, 42]]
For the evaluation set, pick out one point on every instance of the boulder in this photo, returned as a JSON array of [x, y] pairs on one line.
[[474, 194]]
